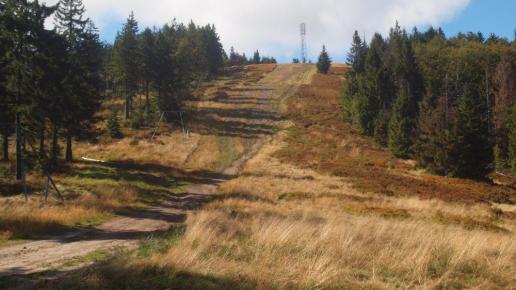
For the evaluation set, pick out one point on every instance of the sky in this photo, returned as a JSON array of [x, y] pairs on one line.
[[273, 27]]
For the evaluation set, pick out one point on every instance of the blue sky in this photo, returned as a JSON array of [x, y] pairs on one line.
[[272, 26], [486, 16]]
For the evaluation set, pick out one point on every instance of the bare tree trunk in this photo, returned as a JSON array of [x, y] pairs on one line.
[[6, 146], [55, 149], [69, 155]]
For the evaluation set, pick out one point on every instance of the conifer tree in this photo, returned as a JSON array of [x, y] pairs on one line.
[[256, 57], [126, 60], [472, 145], [357, 54], [83, 61], [113, 126], [400, 127], [23, 26], [215, 51], [148, 62], [324, 62]]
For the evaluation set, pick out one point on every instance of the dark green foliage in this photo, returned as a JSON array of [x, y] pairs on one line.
[[471, 137], [113, 126], [400, 127], [324, 62], [125, 62], [357, 54], [236, 58], [444, 102], [257, 58], [511, 136]]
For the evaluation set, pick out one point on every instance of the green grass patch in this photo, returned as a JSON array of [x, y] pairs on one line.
[[161, 243]]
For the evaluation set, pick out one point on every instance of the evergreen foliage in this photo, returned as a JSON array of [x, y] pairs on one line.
[[113, 126], [446, 102], [324, 62]]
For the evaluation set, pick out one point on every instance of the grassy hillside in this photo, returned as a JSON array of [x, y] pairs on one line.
[[321, 207]]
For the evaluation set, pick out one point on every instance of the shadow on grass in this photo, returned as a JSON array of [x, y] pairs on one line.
[[118, 274], [214, 122]]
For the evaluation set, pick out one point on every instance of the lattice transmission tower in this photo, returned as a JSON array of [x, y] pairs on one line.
[[303, 43]]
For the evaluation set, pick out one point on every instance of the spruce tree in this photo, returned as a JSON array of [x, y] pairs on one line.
[[472, 145], [148, 62], [357, 54], [113, 126], [82, 81], [373, 87], [23, 26], [256, 57], [126, 62], [400, 127], [324, 62]]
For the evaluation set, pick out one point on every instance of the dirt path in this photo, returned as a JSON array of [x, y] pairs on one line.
[[48, 254]]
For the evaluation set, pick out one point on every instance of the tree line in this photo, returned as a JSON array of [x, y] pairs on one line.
[[49, 79], [52, 81], [236, 59], [448, 103]]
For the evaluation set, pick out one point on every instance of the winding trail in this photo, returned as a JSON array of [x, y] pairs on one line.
[[46, 255]]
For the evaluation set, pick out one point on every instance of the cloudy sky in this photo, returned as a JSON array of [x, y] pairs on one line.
[[272, 26]]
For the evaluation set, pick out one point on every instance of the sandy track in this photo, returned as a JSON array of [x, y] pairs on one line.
[[44, 255]]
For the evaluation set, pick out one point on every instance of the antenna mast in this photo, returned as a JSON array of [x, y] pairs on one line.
[[303, 43]]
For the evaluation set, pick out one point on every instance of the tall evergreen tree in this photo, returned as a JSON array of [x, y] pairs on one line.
[[148, 62], [324, 62], [472, 145], [82, 81], [256, 57], [400, 127], [23, 25], [357, 54], [126, 60]]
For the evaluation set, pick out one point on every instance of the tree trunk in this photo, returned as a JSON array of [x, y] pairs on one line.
[[42, 142], [127, 108], [55, 149], [6, 146], [69, 155], [147, 101], [19, 154]]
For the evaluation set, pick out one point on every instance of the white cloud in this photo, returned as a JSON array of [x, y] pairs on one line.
[[273, 25]]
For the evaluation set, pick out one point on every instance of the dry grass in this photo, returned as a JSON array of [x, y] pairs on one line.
[[282, 226], [285, 222], [319, 139], [139, 172], [311, 211]]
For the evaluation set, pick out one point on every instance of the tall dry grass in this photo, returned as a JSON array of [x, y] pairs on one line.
[[288, 223], [287, 227], [360, 252]]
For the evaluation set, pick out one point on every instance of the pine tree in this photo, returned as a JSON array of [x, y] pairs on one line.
[[82, 82], [23, 25], [148, 62], [256, 57], [69, 20], [113, 126], [6, 108], [126, 60], [511, 136], [400, 127], [373, 87], [472, 145], [324, 62], [215, 51], [357, 53]]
